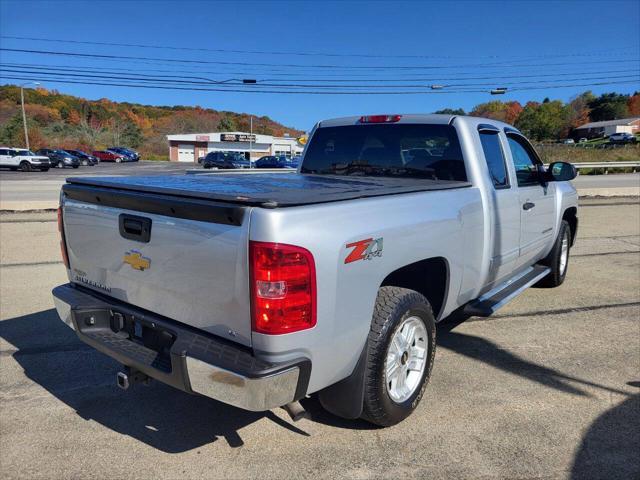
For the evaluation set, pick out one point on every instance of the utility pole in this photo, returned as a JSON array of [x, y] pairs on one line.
[[250, 138], [24, 115]]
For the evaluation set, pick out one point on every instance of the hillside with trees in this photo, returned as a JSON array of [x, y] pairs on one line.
[[58, 120]]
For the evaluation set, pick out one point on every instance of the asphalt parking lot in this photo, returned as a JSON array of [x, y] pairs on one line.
[[104, 168], [549, 387]]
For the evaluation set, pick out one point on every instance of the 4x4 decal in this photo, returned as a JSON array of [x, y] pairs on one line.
[[364, 249]]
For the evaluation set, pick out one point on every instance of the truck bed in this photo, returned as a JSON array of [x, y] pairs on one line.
[[268, 190]]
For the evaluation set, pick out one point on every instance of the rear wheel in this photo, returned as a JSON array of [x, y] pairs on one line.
[[25, 166], [401, 350], [85, 162], [59, 165], [558, 258]]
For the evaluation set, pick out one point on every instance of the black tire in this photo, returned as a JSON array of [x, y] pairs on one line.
[[25, 166], [553, 260], [44, 169], [393, 306], [75, 166]]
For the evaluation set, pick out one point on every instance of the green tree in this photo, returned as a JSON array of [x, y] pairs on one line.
[[451, 111], [132, 135], [226, 124], [609, 106], [544, 121]]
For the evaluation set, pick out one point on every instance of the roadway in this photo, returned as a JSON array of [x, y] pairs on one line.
[[549, 387], [40, 190]]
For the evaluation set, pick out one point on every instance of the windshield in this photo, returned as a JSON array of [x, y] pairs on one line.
[[407, 150]]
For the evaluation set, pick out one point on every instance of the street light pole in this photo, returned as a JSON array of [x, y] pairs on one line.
[[250, 138], [24, 115]]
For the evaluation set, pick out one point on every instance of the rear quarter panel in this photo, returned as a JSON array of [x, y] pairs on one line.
[[413, 227]]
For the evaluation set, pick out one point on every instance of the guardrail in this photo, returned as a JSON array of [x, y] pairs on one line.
[[607, 165]]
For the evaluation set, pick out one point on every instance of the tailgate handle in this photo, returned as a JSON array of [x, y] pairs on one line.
[[135, 228]]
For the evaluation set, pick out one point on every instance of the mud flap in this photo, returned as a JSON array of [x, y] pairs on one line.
[[345, 398]]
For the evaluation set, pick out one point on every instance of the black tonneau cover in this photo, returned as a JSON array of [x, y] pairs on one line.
[[268, 190]]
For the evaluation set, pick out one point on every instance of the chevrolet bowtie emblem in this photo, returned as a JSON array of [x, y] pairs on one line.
[[136, 260]]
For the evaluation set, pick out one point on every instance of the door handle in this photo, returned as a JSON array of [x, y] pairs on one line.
[[528, 205], [135, 228]]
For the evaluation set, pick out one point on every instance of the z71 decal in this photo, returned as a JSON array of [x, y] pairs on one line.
[[364, 250]]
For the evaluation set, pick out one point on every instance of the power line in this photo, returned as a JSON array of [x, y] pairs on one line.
[[349, 67], [298, 92], [298, 53], [180, 80], [497, 78]]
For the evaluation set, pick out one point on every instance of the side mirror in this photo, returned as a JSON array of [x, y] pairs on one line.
[[562, 171]]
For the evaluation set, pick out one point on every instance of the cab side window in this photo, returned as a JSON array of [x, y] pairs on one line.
[[495, 158], [525, 162]]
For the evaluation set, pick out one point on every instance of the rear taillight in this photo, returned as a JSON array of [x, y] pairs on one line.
[[63, 241], [380, 118], [283, 288]]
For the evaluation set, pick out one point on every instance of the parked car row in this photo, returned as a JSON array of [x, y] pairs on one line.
[[271, 161], [45, 158], [231, 160]]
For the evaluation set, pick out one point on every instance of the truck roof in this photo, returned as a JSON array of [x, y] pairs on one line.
[[268, 190]]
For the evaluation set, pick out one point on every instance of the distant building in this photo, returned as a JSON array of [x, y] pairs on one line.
[[608, 127], [189, 147]]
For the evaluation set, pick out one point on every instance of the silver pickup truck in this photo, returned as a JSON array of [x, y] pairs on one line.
[[260, 289]]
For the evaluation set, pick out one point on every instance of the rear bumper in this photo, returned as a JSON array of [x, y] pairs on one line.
[[178, 355]]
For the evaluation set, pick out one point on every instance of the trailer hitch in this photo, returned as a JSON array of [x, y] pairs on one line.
[[131, 376]]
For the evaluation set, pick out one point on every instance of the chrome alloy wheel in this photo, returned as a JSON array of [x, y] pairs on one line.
[[406, 359], [564, 253]]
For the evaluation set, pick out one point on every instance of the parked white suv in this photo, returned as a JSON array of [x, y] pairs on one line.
[[23, 159]]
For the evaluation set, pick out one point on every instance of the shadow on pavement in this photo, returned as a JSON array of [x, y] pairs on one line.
[[611, 447], [492, 354], [165, 418]]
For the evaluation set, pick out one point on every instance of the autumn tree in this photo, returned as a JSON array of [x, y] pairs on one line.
[[498, 110], [633, 105]]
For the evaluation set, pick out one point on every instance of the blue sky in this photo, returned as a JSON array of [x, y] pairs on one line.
[[566, 43]]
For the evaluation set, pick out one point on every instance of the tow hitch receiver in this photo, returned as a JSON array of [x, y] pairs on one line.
[[130, 376]]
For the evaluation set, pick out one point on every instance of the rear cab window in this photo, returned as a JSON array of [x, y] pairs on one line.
[[406, 150]]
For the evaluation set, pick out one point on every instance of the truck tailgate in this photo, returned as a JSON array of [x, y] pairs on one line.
[[193, 267]]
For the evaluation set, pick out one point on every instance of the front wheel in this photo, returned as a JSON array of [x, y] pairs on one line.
[[59, 165], [558, 258], [401, 349], [85, 163], [118, 160], [25, 166]]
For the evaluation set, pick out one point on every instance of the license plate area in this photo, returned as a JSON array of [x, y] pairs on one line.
[[143, 332]]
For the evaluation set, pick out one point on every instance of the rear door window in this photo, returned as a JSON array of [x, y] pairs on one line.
[[407, 150], [494, 157]]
